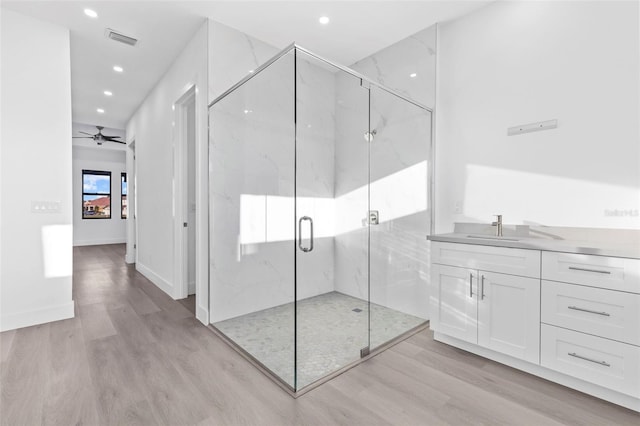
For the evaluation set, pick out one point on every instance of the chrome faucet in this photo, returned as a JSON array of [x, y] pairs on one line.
[[498, 225]]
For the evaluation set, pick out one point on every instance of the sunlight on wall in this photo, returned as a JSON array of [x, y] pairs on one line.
[[57, 243], [268, 218], [532, 198]]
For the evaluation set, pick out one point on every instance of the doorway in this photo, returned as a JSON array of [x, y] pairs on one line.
[[185, 195]]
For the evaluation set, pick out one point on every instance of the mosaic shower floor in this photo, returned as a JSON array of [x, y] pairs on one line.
[[332, 328]]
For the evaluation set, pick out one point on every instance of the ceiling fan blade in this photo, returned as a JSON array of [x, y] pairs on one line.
[[82, 137], [90, 134], [107, 136], [110, 139]]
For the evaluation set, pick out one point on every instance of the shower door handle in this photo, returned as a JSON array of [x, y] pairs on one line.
[[305, 249]]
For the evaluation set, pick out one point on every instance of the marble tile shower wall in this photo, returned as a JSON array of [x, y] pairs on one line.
[[252, 178], [315, 152], [395, 65], [252, 186], [232, 54], [400, 162]]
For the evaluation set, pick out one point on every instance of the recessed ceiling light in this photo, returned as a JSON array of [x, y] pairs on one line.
[[324, 20], [118, 68], [91, 13], [248, 111], [413, 75], [251, 71], [100, 111], [107, 93]]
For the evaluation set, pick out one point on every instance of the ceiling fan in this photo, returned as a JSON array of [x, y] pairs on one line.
[[99, 137]]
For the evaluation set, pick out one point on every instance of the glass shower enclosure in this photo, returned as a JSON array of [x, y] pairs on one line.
[[319, 207]]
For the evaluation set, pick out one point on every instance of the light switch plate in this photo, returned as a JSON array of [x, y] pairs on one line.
[[45, 206]]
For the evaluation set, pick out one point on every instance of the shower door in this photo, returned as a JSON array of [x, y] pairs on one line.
[[399, 198], [331, 205]]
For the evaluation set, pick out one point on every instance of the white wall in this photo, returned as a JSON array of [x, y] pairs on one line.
[[36, 248], [155, 142], [98, 231], [513, 63]]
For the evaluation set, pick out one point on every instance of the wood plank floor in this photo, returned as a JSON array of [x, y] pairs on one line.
[[134, 356]]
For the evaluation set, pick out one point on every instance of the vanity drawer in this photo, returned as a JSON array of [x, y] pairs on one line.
[[605, 313], [615, 273], [610, 364], [496, 259]]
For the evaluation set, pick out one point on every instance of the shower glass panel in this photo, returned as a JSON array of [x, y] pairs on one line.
[[399, 196], [319, 210], [252, 158], [332, 175]]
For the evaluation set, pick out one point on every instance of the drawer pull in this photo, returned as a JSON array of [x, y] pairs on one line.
[[575, 355], [575, 268], [575, 308], [471, 285]]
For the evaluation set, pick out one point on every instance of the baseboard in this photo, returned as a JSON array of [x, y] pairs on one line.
[[160, 282], [540, 371], [38, 316], [129, 258], [202, 315], [99, 242]]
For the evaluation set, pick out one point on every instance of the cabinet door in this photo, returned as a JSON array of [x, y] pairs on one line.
[[454, 302], [509, 315]]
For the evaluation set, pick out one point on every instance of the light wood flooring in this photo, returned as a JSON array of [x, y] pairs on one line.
[[132, 355]]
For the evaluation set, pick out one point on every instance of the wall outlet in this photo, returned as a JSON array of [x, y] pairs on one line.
[[457, 207]]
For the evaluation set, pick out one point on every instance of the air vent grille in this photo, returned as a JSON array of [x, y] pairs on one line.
[[114, 35]]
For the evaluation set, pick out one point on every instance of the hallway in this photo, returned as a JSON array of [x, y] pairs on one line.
[[132, 355]]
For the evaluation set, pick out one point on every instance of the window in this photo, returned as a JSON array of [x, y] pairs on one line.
[[96, 194], [123, 195]]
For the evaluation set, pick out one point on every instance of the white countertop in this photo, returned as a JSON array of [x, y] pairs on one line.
[[629, 250]]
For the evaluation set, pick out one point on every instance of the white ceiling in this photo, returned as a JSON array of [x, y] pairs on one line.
[[357, 29]]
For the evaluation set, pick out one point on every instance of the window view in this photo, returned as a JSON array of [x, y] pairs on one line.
[[123, 195], [96, 194]]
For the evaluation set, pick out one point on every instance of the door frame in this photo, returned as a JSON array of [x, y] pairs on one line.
[[180, 193], [131, 255]]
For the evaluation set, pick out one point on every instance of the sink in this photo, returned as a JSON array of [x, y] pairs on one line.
[[491, 237]]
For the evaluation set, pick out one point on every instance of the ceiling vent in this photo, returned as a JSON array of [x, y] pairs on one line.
[[114, 35]]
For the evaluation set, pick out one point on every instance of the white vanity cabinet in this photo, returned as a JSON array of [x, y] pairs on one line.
[[591, 319], [488, 296], [570, 317]]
